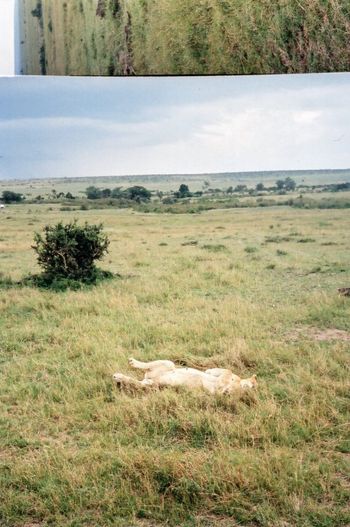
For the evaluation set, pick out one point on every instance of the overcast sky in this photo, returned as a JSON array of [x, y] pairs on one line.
[[7, 39], [51, 127]]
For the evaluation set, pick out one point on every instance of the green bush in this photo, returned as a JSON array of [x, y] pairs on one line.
[[68, 252], [183, 192], [11, 197], [93, 193], [137, 193]]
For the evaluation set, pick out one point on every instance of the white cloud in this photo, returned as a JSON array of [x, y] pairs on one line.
[[306, 116], [296, 127], [7, 38]]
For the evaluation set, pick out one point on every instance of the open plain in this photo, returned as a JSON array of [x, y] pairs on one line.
[[247, 289]]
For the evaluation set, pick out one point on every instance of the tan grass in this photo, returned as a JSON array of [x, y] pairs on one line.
[[76, 451], [190, 37]]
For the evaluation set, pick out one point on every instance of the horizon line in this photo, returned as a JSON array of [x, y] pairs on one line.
[[275, 171]]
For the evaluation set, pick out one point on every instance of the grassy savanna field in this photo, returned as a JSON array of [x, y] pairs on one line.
[[184, 37], [254, 290]]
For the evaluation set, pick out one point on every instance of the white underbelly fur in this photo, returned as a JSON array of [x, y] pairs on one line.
[[187, 377]]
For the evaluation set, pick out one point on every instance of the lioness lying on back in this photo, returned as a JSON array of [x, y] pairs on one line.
[[165, 373]]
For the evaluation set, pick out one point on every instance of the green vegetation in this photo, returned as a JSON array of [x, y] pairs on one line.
[[75, 451], [8, 196], [136, 193], [313, 180], [285, 184], [183, 192], [38, 10], [111, 37], [67, 254], [298, 192]]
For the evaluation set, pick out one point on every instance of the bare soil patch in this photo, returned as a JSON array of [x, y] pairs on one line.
[[319, 334]]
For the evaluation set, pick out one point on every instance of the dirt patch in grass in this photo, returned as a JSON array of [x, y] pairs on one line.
[[319, 334]]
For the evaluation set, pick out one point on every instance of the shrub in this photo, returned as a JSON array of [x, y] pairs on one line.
[[183, 192], [306, 240], [250, 249], [117, 192], [286, 184], [215, 248], [69, 251], [38, 10], [93, 193], [277, 239], [241, 188], [11, 197], [138, 193], [190, 242], [169, 201]]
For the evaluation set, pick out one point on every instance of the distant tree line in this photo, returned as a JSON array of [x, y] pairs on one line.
[[331, 187], [136, 193], [288, 185]]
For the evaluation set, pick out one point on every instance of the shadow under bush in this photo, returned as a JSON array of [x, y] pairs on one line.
[[59, 283]]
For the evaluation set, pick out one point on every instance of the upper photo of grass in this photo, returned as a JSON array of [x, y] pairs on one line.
[[142, 37]]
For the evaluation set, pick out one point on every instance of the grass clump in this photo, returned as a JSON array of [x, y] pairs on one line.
[[306, 240], [214, 247], [190, 242], [277, 239], [251, 249]]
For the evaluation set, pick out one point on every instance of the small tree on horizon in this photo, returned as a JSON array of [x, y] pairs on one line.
[[241, 188], [286, 184], [117, 192], [138, 193], [289, 184], [106, 193], [183, 192], [93, 192], [11, 197]]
